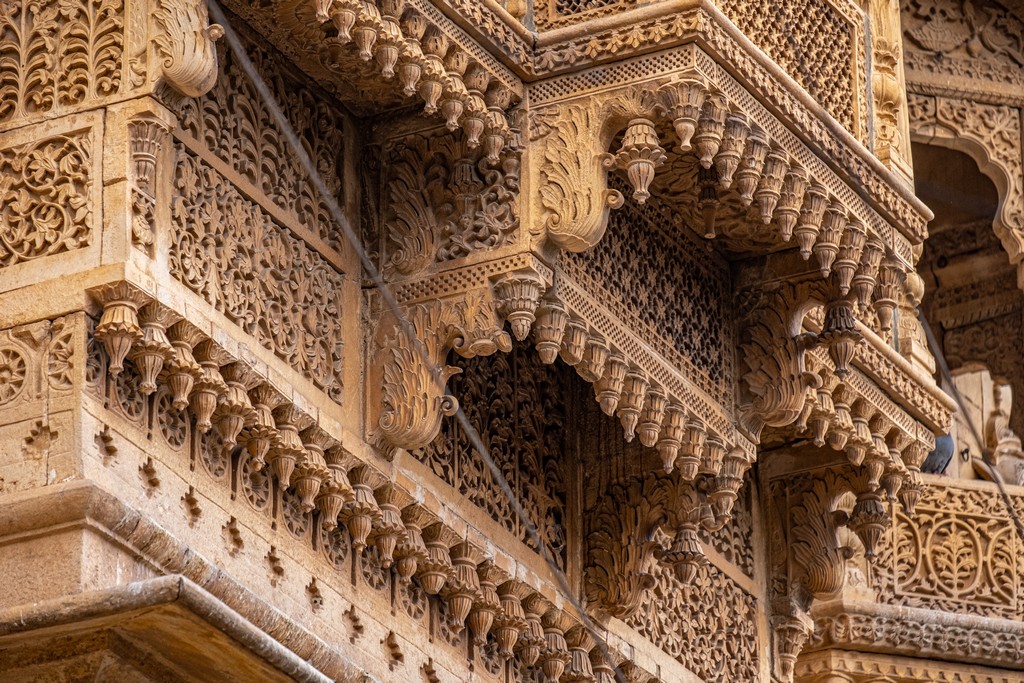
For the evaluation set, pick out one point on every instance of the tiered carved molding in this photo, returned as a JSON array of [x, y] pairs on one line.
[[241, 430]]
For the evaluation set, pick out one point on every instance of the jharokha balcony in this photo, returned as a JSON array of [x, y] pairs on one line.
[[553, 341]]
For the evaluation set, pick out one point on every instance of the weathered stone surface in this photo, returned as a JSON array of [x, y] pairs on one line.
[[662, 261]]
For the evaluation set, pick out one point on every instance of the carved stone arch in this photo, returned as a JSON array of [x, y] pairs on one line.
[[991, 136]]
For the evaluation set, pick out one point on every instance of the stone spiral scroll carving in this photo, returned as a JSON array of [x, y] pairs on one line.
[[186, 45]]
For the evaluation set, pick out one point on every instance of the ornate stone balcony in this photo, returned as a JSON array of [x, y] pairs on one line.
[[946, 585]]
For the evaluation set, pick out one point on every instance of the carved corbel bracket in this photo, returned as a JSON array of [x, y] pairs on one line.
[[415, 374], [184, 42], [571, 183], [778, 381], [412, 358], [621, 541]]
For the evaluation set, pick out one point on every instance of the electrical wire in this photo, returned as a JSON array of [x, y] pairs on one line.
[[281, 120]]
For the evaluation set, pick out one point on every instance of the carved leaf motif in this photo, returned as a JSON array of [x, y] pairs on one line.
[[91, 42], [815, 546], [45, 206], [186, 45], [621, 543], [574, 180], [447, 201]]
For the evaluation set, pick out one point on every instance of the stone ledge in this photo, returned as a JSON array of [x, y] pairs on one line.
[[201, 588], [172, 616]]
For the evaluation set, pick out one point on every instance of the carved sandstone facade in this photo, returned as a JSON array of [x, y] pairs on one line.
[[662, 260]]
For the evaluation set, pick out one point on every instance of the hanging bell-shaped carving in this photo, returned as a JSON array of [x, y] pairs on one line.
[[496, 135], [591, 367], [769, 190], [549, 328], [390, 528], [210, 386], [913, 489], [608, 389], [574, 342], [751, 165], [892, 483], [118, 329], [685, 555], [671, 436], [343, 16], [579, 669], [714, 453], [287, 450], [487, 604], [322, 8], [812, 213], [604, 670], [463, 586], [827, 247], [411, 550], [387, 51], [311, 472], [634, 390], [362, 513], [531, 641], [498, 99], [554, 655], [840, 334], [791, 633], [691, 449], [737, 129], [510, 620], [787, 213], [869, 521], [364, 33], [850, 249], [640, 154], [887, 293], [727, 484], [684, 100], [409, 73], [711, 129], [234, 410], [181, 369], [334, 493], [652, 415], [154, 349], [435, 569], [431, 86], [867, 273], [263, 431], [518, 295]]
